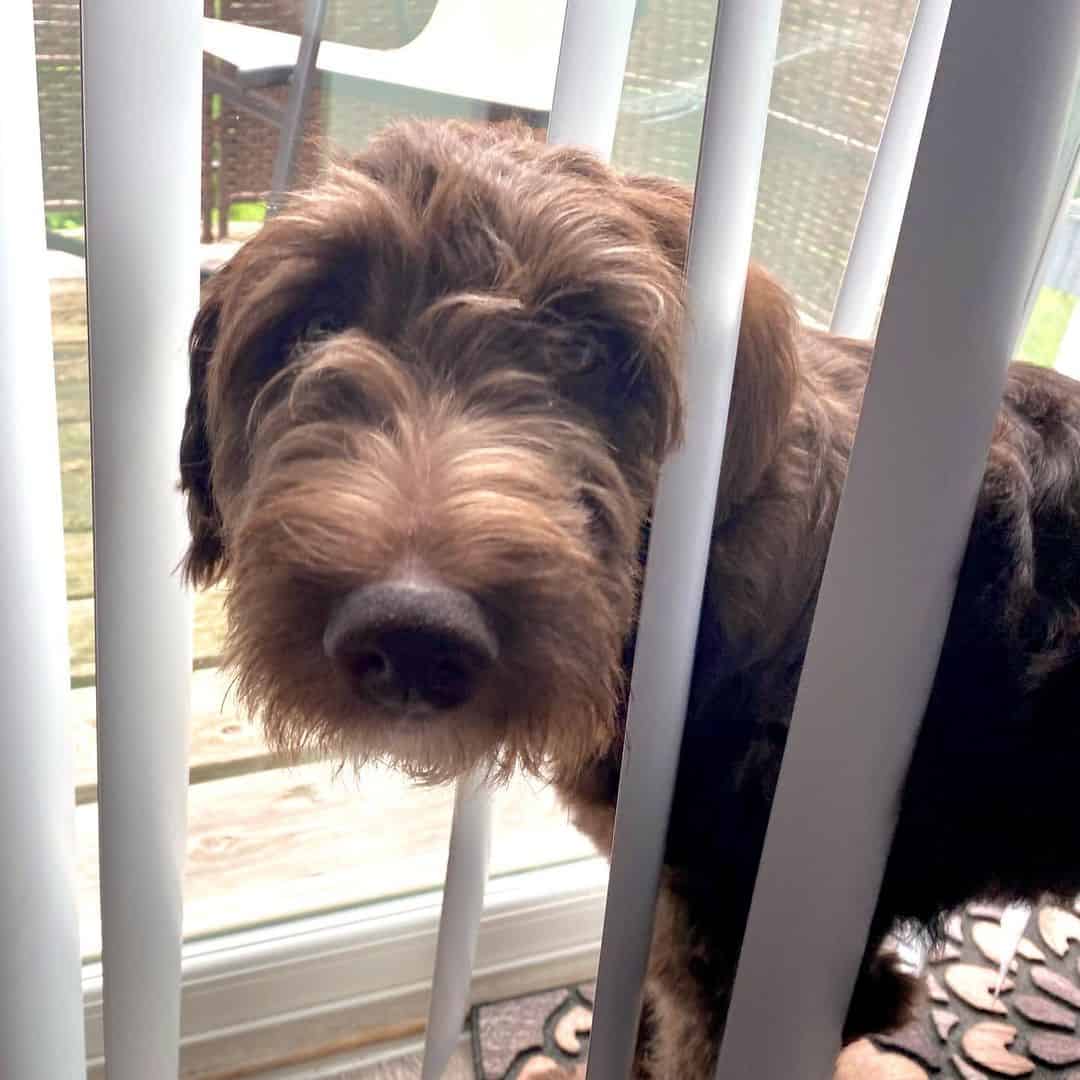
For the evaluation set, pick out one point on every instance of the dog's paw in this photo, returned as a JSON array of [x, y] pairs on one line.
[[885, 998], [542, 1067]]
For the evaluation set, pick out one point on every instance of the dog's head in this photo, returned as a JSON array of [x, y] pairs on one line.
[[429, 402]]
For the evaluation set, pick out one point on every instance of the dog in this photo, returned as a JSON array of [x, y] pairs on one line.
[[429, 404]]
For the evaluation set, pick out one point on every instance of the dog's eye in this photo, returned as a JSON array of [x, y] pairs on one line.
[[583, 361], [321, 325], [306, 328], [600, 526]]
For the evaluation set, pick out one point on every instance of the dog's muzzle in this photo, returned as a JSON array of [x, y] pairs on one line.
[[408, 643]]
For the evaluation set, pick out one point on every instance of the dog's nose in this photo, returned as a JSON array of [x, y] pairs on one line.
[[411, 642]]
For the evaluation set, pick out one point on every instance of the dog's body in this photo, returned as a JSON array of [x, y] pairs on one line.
[[429, 404]]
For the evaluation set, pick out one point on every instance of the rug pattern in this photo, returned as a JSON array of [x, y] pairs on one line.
[[964, 1031]]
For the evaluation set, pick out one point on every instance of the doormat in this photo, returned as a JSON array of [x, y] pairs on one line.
[[963, 1032], [542, 1036]]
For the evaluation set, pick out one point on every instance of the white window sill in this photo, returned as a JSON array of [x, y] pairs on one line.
[[288, 993]]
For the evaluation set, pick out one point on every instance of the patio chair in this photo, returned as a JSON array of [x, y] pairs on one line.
[[472, 55]]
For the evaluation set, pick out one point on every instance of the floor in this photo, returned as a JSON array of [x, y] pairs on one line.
[[967, 1032], [964, 1031], [543, 1035]]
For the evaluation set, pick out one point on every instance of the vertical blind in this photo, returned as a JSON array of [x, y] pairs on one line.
[[143, 62], [934, 389], [41, 1024]]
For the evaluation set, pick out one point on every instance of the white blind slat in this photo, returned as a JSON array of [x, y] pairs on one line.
[[740, 77], [41, 1020], [966, 252], [142, 104]]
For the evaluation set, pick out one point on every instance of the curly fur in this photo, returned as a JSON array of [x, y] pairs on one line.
[[460, 353]]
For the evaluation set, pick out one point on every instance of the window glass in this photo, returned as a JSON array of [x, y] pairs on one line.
[[836, 67], [269, 839]]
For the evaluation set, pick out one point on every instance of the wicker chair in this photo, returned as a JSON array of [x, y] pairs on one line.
[[838, 64]]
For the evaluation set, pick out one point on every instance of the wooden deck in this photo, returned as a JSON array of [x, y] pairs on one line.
[[266, 840], [274, 844]]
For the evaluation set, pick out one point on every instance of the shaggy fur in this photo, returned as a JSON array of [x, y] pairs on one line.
[[458, 357]]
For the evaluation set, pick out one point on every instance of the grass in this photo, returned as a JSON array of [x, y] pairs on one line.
[[247, 211], [58, 220], [242, 211], [1042, 339], [68, 220]]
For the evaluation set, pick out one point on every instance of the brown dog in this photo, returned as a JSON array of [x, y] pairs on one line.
[[429, 404]]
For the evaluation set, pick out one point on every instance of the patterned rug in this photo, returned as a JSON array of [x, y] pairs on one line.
[[540, 1036], [963, 1033]]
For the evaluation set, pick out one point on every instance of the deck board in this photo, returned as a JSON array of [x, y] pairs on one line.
[[265, 842], [286, 842], [222, 734]]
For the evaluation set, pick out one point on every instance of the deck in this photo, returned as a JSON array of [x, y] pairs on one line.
[[267, 839]]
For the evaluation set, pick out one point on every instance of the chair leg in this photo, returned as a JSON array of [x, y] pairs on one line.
[[300, 87], [207, 234]]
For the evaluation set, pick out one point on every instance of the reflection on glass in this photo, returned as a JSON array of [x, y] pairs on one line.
[[269, 841]]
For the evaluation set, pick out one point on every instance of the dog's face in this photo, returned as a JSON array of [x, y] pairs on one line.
[[429, 402]]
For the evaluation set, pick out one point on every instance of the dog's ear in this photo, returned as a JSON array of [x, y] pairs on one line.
[[764, 387], [766, 364], [204, 562]]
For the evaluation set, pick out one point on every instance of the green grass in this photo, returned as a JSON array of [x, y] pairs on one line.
[[1042, 339], [242, 211], [57, 220], [61, 220], [247, 211]]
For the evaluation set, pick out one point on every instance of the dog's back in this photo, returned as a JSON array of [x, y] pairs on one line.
[[989, 802], [988, 805]]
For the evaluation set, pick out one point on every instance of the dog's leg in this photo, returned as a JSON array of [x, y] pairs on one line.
[[885, 997], [682, 1029], [645, 1051]]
